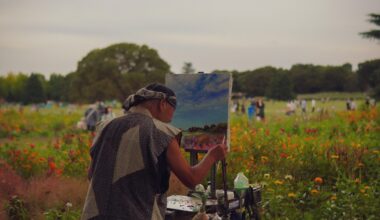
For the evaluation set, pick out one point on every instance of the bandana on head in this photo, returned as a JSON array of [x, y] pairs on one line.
[[145, 94]]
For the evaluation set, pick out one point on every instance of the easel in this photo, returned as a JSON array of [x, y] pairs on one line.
[[194, 161]]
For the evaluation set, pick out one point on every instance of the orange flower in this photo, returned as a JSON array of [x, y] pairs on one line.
[[318, 180], [52, 165]]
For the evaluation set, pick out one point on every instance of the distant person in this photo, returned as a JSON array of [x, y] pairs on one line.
[[353, 105], [92, 117], [243, 108], [260, 106], [313, 105], [303, 105], [348, 104], [367, 102], [108, 114], [251, 110], [290, 108]]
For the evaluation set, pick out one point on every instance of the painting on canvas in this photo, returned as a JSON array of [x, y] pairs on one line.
[[202, 108]]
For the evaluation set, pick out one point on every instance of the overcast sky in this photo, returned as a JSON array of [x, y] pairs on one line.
[[49, 36]]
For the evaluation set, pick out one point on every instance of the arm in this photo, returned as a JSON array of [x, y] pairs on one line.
[[191, 176]]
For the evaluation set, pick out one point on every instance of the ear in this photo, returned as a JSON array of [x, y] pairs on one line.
[[162, 104]]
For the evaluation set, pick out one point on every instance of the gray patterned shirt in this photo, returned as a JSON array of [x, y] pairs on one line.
[[129, 174]]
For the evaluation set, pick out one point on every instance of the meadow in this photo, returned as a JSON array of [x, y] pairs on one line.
[[321, 165]]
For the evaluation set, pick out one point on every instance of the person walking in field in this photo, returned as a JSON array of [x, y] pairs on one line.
[[133, 156], [313, 105], [260, 106]]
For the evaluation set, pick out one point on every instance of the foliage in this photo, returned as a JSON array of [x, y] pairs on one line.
[[255, 83], [117, 71], [64, 213], [369, 74], [34, 90], [16, 209], [373, 34], [280, 88], [188, 68]]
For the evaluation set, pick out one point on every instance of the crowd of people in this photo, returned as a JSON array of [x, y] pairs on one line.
[[255, 109]]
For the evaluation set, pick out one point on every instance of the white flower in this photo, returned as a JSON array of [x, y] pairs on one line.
[[68, 205], [199, 188], [267, 176], [288, 177]]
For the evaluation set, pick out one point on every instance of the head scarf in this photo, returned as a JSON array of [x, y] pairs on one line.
[[152, 91]]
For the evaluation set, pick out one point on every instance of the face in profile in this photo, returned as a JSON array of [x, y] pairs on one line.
[[166, 111]]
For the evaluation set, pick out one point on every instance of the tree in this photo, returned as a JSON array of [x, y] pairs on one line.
[[255, 83], [56, 87], [280, 87], [373, 34], [15, 87], [188, 68], [116, 72], [369, 74], [306, 78], [34, 91]]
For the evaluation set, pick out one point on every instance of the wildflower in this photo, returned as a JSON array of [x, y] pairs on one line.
[[314, 192], [334, 156], [375, 151], [267, 176], [318, 180], [264, 159], [360, 165], [367, 187], [284, 155], [291, 195], [289, 177], [52, 165], [278, 182], [32, 146], [69, 205], [333, 197]]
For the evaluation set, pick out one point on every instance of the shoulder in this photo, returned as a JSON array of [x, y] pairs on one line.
[[166, 128]]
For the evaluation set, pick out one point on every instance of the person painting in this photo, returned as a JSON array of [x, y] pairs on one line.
[[132, 157]]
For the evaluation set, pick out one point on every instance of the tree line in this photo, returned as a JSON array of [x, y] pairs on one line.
[[117, 71]]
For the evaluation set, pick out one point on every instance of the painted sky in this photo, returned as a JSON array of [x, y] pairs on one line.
[[202, 99], [49, 36]]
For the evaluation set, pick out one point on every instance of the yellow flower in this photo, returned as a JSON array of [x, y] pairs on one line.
[[291, 195], [334, 156], [376, 151], [333, 197], [278, 182], [367, 187], [362, 191], [360, 165], [264, 159], [314, 192], [267, 176]]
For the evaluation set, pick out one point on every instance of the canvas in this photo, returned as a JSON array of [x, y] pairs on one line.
[[202, 108]]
